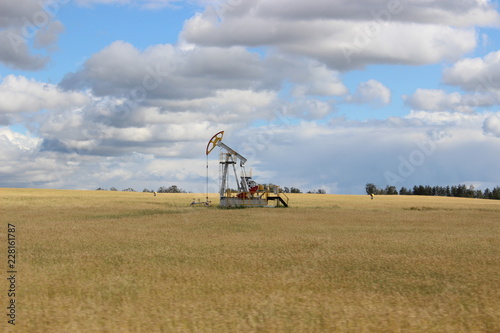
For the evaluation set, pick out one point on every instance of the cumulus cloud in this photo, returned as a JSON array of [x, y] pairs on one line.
[[218, 85], [342, 155], [18, 141], [464, 13], [435, 100], [347, 34], [316, 79], [47, 36], [15, 52], [158, 100], [371, 92], [11, 12], [480, 74], [27, 22], [163, 71], [20, 94], [491, 125], [20, 166]]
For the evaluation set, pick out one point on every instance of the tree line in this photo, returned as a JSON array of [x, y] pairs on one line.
[[461, 191], [162, 189], [296, 190], [175, 189]]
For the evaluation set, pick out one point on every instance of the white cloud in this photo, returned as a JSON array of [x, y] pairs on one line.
[[18, 141], [27, 22], [436, 100], [446, 118], [316, 79], [371, 92], [166, 72], [15, 52], [344, 155], [440, 100], [11, 12], [48, 36], [20, 164], [449, 12], [20, 94], [480, 74], [216, 85], [491, 125], [346, 34]]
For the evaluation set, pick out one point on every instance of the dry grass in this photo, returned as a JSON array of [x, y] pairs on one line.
[[130, 262]]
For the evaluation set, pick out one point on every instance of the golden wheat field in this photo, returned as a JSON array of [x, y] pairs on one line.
[[98, 261]]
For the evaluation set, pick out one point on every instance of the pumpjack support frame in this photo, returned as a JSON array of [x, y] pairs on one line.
[[248, 193]]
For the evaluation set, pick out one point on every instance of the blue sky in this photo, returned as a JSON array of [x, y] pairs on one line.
[[126, 93]]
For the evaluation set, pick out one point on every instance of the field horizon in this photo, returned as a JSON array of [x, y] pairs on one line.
[[113, 261]]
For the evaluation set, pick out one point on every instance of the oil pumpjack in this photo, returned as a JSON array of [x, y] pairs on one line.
[[248, 193]]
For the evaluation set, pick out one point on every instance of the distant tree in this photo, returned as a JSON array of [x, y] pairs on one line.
[[471, 191], [418, 190], [391, 190], [295, 190], [440, 191], [460, 190], [129, 190], [495, 194], [174, 189], [171, 189], [428, 190], [404, 191], [101, 189], [435, 190], [321, 191], [286, 190], [147, 191], [453, 191], [113, 189], [464, 191], [371, 189]]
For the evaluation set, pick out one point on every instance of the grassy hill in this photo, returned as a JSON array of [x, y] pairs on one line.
[[98, 261]]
